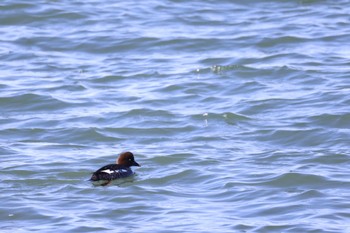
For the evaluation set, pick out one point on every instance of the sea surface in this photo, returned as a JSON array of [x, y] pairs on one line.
[[237, 111]]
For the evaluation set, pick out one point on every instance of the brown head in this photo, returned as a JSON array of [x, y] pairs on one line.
[[127, 159]]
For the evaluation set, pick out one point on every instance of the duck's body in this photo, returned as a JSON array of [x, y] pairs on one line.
[[115, 171], [111, 172]]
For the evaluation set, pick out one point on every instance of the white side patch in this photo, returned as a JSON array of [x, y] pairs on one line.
[[108, 171]]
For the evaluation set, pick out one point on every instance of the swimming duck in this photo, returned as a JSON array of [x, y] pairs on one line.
[[115, 171]]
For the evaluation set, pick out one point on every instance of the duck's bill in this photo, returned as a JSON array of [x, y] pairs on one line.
[[136, 164]]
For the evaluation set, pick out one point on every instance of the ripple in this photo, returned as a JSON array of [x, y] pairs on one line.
[[31, 102], [238, 113], [299, 180]]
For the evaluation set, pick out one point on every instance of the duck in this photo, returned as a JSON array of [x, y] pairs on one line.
[[119, 170]]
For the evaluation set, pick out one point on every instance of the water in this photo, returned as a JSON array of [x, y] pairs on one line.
[[237, 111]]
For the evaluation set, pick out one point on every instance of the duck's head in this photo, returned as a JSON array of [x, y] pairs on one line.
[[127, 159]]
